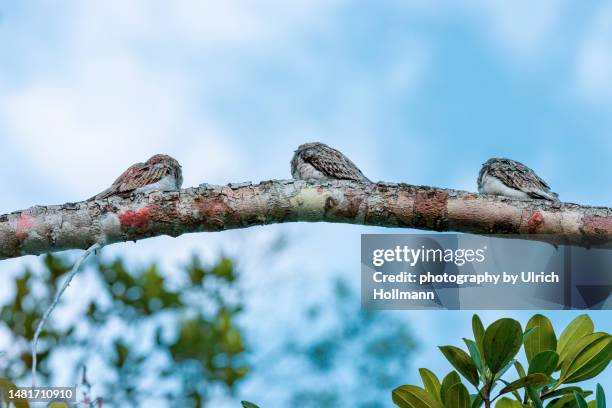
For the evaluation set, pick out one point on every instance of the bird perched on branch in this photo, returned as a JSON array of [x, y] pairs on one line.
[[161, 172], [506, 177], [319, 162]]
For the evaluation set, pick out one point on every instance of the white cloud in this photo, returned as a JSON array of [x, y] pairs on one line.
[[82, 131], [205, 23], [114, 104]]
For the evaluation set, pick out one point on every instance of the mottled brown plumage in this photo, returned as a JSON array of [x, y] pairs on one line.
[[160, 172], [501, 176], [317, 161]]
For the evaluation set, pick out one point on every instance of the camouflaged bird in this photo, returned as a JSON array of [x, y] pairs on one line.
[[319, 162], [506, 177], [160, 173]]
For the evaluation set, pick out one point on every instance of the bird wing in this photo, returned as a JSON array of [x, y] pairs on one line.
[[520, 177], [332, 163], [136, 176]]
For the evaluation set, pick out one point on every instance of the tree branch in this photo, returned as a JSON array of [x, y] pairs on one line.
[[43, 229], [41, 324]]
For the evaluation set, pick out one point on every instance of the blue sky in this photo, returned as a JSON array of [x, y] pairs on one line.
[[415, 91]]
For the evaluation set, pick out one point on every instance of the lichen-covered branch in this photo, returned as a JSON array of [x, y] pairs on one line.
[[43, 229]]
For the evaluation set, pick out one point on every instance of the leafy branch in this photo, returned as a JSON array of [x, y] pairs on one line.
[[579, 354]]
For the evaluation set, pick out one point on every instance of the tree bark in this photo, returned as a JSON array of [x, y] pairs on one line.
[[44, 229]]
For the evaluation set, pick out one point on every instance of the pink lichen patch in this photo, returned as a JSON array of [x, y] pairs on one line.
[[597, 226], [135, 219], [24, 225], [217, 215], [535, 223]]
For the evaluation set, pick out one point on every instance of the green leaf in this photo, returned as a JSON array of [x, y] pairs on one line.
[[457, 396], [587, 358], [477, 400], [515, 392], [247, 404], [479, 332], [600, 397], [545, 362], [519, 369], [502, 340], [564, 391], [543, 338], [579, 327], [431, 383], [580, 400], [504, 369], [567, 401], [448, 381], [527, 333], [410, 396], [534, 395], [475, 355], [508, 403], [534, 380], [462, 362]]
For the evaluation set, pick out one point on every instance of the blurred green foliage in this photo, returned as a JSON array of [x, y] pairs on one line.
[[174, 338], [343, 355], [137, 318]]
